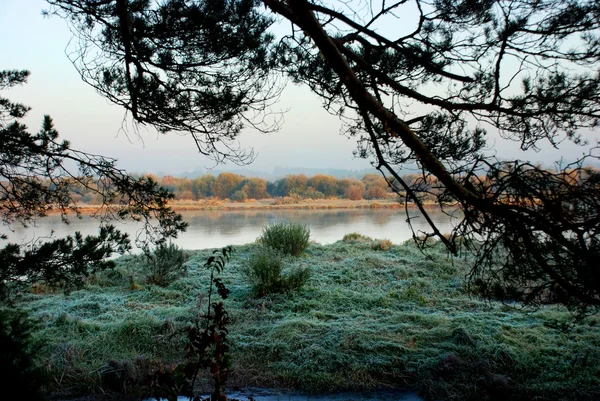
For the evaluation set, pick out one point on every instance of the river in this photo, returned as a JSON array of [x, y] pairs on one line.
[[212, 229]]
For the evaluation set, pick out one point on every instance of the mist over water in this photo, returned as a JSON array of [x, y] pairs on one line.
[[213, 229]]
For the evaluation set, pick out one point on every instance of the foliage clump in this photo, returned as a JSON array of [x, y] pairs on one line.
[[286, 237], [239, 196], [264, 270], [165, 264], [382, 245], [356, 237]]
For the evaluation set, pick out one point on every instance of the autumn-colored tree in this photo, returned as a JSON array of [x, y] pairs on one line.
[[183, 184], [376, 192], [350, 188], [295, 184], [343, 185], [185, 194], [151, 176], [376, 186], [226, 184], [326, 184], [355, 192], [255, 188], [203, 186], [168, 182]]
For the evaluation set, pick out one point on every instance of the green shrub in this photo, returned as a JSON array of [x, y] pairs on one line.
[[239, 196], [296, 278], [265, 272], [165, 264], [287, 238]]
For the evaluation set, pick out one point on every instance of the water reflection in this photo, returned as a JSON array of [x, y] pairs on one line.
[[211, 229]]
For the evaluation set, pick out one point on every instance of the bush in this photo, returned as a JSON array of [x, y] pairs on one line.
[[265, 272], [239, 196], [287, 238], [295, 279], [165, 264]]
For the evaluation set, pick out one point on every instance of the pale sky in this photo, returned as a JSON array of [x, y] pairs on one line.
[[309, 136]]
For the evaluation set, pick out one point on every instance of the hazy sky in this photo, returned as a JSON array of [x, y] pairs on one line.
[[309, 136]]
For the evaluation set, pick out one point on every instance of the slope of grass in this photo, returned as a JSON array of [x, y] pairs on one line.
[[366, 319]]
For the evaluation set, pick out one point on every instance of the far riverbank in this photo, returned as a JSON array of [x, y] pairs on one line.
[[277, 204], [286, 203]]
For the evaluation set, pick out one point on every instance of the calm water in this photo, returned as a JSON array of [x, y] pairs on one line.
[[212, 229]]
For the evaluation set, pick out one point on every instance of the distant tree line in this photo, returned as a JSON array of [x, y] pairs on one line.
[[239, 188], [372, 186]]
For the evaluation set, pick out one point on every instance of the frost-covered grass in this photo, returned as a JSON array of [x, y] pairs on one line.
[[366, 319]]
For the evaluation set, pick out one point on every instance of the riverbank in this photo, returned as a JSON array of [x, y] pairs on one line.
[[366, 319], [286, 203], [272, 204]]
